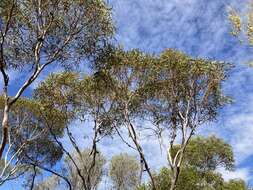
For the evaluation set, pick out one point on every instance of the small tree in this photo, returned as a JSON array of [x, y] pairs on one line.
[[208, 154], [85, 162], [124, 172]]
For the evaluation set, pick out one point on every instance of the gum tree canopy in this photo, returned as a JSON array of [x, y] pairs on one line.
[[38, 33]]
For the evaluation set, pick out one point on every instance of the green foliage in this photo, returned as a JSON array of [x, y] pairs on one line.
[[143, 84], [30, 124], [208, 153], [235, 184], [190, 179], [184, 83], [78, 97], [126, 74], [60, 91], [202, 157]]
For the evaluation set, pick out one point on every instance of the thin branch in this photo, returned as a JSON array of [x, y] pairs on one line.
[[53, 172]]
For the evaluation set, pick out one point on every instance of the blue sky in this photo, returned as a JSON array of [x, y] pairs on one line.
[[199, 28]]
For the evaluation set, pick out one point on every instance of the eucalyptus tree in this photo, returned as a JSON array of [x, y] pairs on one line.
[[235, 184], [36, 34], [208, 154], [126, 74], [92, 176], [124, 172], [185, 93], [82, 98], [174, 91], [202, 158]]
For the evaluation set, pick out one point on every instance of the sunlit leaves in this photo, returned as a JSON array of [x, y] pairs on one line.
[[208, 154]]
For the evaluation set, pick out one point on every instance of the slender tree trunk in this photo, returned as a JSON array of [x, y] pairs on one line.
[[141, 172], [178, 160], [133, 136], [33, 177], [173, 185], [174, 178], [5, 128]]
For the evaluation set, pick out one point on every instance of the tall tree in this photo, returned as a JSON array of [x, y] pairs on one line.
[[186, 93], [36, 34], [126, 73], [124, 172], [175, 92]]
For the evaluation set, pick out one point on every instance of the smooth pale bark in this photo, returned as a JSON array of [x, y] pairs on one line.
[[5, 126]]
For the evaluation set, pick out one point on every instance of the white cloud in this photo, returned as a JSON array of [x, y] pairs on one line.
[[242, 173]]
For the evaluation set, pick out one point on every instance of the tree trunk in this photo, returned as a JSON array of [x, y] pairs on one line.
[[173, 185], [133, 136], [5, 127], [174, 178]]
